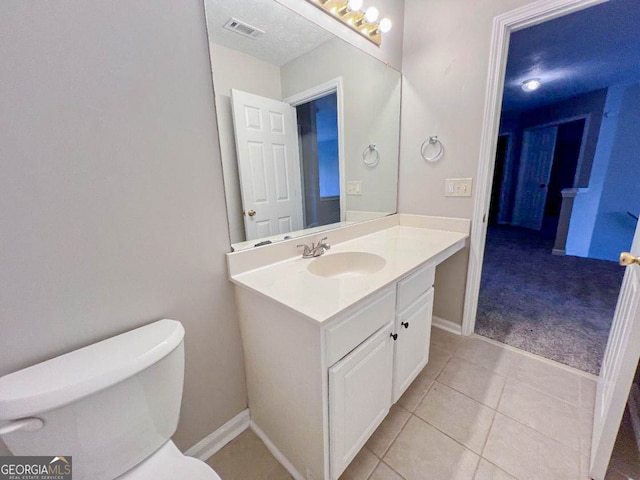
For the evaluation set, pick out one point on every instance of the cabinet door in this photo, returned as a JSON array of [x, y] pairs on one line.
[[359, 397], [413, 327]]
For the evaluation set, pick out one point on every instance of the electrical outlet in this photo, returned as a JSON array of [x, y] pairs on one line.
[[354, 187], [457, 187]]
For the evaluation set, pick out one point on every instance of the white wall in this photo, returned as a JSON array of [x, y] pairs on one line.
[[371, 99], [600, 227], [614, 227], [111, 196], [586, 203], [391, 49], [234, 69], [445, 62]]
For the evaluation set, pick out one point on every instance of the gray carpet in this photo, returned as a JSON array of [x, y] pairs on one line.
[[557, 307]]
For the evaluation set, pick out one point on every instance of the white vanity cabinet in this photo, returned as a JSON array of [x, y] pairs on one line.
[[318, 391], [327, 356], [365, 383], [412, 327], [359, 396]]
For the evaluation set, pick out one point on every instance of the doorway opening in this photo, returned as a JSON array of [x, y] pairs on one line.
[[320, 164], [599, 204], [550, 280]]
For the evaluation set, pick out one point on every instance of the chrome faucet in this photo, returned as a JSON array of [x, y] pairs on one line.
[[315, 250]]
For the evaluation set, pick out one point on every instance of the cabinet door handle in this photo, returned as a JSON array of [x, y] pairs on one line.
[[405, 324], [394, 336]]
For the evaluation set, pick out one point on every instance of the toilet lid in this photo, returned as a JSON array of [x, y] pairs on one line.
[[168, 463]]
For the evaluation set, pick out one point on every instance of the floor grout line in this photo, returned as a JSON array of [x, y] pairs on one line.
[[496, 408], [513, 369], [466, 395], [374, 468], [393, 469], [397, 434], [534, 356], [447, 435]]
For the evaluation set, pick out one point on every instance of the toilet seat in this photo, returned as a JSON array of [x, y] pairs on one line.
[[168, 463]]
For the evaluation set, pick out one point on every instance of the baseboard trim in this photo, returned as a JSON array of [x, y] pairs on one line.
[[208, 446], [275, 452], [559, 252], [447, 325], [634, 411]]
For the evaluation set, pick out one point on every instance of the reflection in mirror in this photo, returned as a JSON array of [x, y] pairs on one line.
[[308, 124]]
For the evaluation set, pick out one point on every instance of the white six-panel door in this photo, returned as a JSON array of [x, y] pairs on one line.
[[536, 160], [268, 164], [618, 368]]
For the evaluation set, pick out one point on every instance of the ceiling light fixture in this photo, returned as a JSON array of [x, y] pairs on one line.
[[350, 13], [531, 85]]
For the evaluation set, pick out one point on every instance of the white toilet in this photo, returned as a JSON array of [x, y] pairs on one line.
[[112, 406]]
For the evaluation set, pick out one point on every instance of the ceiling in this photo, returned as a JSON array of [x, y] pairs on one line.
[[287, 34], [587, 50]]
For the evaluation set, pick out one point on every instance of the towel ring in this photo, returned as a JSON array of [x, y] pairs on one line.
[[371, 152], [432, 140]]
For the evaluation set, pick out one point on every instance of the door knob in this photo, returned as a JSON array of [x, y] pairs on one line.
[[627, 259], [405, 324], [251, 213]]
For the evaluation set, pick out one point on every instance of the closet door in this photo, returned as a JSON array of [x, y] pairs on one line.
[[359, 397], [536, 160]]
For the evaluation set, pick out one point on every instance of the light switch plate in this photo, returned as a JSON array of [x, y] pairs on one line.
[[457, 187], [354, 187]]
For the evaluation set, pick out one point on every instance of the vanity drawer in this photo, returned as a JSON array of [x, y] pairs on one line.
[[414, 285], [346, 334]]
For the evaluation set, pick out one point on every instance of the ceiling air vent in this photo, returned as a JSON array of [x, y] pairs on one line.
[[243, 28]]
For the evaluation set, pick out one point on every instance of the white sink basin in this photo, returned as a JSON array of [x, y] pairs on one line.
[[346, 264]]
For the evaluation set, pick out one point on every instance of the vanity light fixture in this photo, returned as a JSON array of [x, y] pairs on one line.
[[350, 13], [531, 85]]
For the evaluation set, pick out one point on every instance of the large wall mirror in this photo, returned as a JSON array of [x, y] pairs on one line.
[[308, 123]]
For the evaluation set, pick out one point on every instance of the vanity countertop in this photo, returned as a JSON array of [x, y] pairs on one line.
[[320, 298]]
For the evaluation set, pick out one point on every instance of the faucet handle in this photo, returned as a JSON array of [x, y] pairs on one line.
[[306, 252], [324, 243]]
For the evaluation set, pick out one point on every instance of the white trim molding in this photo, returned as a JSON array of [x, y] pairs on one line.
[[276, 453], [503, 25], [446, 325], [313, 93], [208, 446]]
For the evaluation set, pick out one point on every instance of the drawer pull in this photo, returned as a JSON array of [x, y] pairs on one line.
[[405, 324], [394, 336]]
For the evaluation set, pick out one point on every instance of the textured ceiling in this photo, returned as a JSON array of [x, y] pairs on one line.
[[288, 35], [574, 54]]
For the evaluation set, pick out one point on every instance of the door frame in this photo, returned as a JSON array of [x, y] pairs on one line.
[[317, 91], [585, 132], [503, 25], [506, 170]]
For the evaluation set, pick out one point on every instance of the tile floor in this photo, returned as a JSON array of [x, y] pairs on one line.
[[477, 411], [625, 460]]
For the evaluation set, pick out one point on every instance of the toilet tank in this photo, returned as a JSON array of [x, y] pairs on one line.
[[109, 405]]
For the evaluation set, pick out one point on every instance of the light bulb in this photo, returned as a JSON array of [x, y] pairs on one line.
[[531, 85], [371, 15], [355, 5], [385, 25]]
